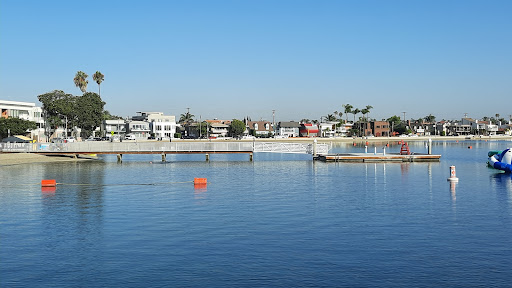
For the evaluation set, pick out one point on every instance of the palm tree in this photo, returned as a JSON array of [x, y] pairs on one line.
[[81, 81], [368, 108], [365, 111], [355, 112], [330, 117], [348, 109], [186, 118], [98, 77], [430, 118], [305, 120]]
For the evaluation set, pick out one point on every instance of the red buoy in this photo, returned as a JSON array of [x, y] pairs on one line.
[[200, 181], [48, 183]]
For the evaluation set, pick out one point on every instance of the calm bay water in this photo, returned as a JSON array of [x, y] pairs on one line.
[[280, 221]]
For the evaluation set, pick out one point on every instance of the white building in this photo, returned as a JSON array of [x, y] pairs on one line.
[[113, 127], [162, 126], [26, 111], [218, 130]]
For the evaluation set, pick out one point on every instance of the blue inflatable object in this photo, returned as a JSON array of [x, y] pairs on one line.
[[502, 161]]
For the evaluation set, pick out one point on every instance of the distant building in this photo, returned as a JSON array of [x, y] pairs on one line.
[[288, 129], [111, 128], [308, 130], [218, 128], [140, 129], [327, 129], [26, 111], [380, 128], [161, 126], [259, 128]]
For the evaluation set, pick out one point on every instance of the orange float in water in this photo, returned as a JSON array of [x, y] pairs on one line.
[[48, 183], [200, 181]]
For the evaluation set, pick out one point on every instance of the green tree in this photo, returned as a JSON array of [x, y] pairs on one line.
[[16, 126], [59, 107], [108, 116], [201, 128], [186, 118], [81, 81], [348, 109], [330, 117], [89, 112], [430, 118], [305, 120], [367, 109], [394, 122], [98, 78], [237, 128], [355, 112]]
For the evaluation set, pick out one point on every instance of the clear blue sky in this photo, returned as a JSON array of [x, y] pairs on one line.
[[231, 59]]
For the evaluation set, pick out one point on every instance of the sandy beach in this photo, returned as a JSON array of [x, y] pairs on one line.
[[8, 159]]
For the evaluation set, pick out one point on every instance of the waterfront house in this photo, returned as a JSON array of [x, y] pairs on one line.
[[288, 129], [113, 127], [218, 130], [259, 128], [26, 111], [308, 130], [343, 129], [161, 126], [140, 129], [327, 129]]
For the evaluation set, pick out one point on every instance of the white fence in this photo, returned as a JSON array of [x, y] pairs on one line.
[[169, 147], [300, 148]]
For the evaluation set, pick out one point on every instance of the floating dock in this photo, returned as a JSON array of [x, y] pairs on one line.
[[379, 157]]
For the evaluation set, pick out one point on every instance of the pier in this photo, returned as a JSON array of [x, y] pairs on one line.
[[389, 157], [164, 148]]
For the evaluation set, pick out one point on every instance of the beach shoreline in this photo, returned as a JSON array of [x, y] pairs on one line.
[[9, 159]]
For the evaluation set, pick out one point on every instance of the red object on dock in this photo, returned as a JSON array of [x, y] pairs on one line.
[[405, 149], [48, 183]]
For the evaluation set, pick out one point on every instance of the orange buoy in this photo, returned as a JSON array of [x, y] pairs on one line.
[[48, 183], [470, 147], [200, 181], [366, 143], [354, 144], [387, 145]]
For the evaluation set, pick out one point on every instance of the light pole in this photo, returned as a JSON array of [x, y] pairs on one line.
[[274, 122]]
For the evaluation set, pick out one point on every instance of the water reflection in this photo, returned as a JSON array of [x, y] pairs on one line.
[[72, 212], [453, 192], [502, 184]]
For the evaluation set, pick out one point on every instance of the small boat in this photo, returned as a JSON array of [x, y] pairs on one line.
[[501, 160]]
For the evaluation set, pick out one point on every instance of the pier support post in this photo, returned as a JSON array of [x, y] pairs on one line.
[[119, 158], [250, 157], [207, 157], [163, 157], [314, 148], [429, 146]]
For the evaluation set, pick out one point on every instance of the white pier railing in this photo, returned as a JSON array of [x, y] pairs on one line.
[[165, 147], [300, 148]]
